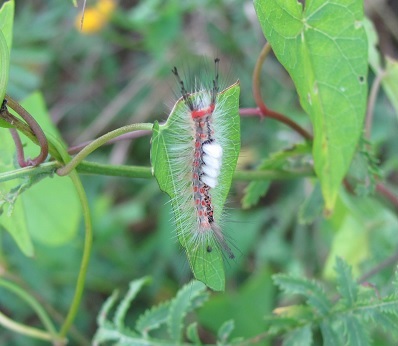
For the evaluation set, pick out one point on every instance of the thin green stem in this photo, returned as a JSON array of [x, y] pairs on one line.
[[44, 168], [146, 172], [25, 330], [41, 313], [88, 239], [114, 170], [99, 142], [270, 174], [86, 167]]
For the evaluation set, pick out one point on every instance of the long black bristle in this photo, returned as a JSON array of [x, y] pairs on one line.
[[185, 94]]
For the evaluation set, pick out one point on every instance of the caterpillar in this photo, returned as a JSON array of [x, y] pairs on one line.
[[199, 146]]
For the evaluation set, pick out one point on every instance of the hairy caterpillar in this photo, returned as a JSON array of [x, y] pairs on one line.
[[197, 150]]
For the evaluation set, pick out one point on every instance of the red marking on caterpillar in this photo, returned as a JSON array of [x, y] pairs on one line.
[[206, 161], [202, 112]]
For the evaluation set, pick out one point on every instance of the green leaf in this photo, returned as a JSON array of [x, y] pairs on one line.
[[390, 82], [346, 285], [35, 104], [299, 337], [12, 211], [315, 295], [350, 243], [323, 46], [51, 208], [278, 325], [181, 305], [52, 211], [254, 299], [286, 159], [356, 332], [153, 318], [253, 192], [7, 21], [386, 321], [225, 331], [6, 25], [192, 333], [387, 305], [166, 140], [106, 308], [373, 41], [363, 217], [330, 337], [364, 171], [134, 287], [312, 206], [173, 313]]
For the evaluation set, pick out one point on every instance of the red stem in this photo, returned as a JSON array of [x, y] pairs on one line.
[[37, 131], [265, 111], [19, 147], [384, 191]]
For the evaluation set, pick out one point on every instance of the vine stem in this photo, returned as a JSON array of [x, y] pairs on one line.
[[25, 330], [36, 129], [247, 112], [99, 142], [378, 268], [372, 101], [88, 240], [21, 126], [19, 148], [380, 188], [142, 172], [384, 191], [41, 313], [265, 111], [44, 168], [132, 135], [50, 333]]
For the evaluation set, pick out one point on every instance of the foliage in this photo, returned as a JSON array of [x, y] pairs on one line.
[[6, 20], [286, 160], [345, 321], [327, 62], [315, 217], [170, 315]]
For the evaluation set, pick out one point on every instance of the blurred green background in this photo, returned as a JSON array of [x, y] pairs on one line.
[[120, 73]]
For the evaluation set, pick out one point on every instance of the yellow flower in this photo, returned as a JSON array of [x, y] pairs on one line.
[[95, 17]]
